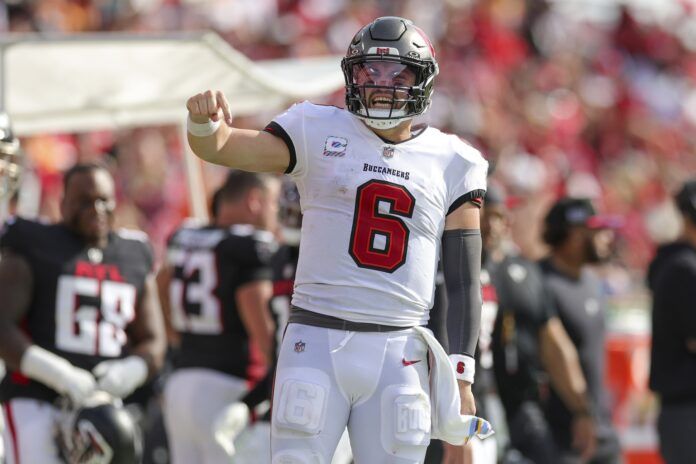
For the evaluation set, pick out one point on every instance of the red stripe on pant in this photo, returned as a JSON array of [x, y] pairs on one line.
[[13, 431]]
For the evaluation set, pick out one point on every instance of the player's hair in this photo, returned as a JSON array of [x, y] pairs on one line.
[[685, 200], [236, 186], [80, 168]]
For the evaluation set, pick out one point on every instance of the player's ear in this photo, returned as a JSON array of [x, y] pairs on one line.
[[254, 200]]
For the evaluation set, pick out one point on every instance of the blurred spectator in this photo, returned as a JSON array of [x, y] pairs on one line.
[[593, 100]]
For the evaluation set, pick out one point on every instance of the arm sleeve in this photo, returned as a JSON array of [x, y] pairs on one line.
[[438, 314], [466, 176], [461, 263], [290, 128]]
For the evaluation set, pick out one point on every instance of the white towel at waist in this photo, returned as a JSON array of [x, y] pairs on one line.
[[445, 404]]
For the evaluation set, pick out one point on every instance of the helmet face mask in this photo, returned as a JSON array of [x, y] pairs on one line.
[[393, 59]]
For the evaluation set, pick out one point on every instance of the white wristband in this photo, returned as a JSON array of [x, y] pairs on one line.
[[44, 366], [202, 130], [464, 367]]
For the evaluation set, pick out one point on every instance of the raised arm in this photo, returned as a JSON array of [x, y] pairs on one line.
[[212, 138]]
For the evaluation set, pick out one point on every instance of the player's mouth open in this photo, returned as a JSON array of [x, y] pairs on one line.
[[381, 101]]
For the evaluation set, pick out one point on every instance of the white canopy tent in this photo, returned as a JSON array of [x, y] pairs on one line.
[[108, 81]]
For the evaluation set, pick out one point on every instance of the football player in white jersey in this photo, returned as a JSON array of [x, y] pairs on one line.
[[380, 197]]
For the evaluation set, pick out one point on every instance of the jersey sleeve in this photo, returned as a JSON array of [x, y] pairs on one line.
[[149, 256], [172, 248], [13, 236], [466, 176], [550, 304], [255, 257], [290, 128], [142, 241]]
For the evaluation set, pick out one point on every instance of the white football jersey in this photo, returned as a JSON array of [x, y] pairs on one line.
[[373, 213]]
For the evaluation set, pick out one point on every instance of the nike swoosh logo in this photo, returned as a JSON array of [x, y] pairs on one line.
[[408, 363]]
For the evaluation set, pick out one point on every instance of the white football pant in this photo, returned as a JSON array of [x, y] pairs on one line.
[[193, 398], [253, 445], [29, 434], [376, 384]]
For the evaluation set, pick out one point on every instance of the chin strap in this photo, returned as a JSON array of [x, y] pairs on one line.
[[384, 123], [398, 116]]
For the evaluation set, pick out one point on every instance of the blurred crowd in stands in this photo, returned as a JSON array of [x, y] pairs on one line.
[[591, 99]]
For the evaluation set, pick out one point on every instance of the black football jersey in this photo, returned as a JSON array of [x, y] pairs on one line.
[[83, 299], [210, 264]]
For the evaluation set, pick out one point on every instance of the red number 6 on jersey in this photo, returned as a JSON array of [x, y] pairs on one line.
[[379, 240]]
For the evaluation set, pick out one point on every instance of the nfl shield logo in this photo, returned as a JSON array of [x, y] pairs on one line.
[[299, 346], [388, 151], [95, 255]]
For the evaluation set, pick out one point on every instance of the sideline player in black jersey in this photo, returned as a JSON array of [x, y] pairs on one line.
[[527, 338], [253, 444], [577, 237], [80, 312], [252, 412], [217, 290]]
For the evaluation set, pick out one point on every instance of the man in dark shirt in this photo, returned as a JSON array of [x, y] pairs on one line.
[[80, 312], [672, 280], [216, 288], [527, 339], [521, 335], [577, 237]]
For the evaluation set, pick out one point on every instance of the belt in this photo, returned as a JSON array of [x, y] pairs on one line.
[[302, 316]]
